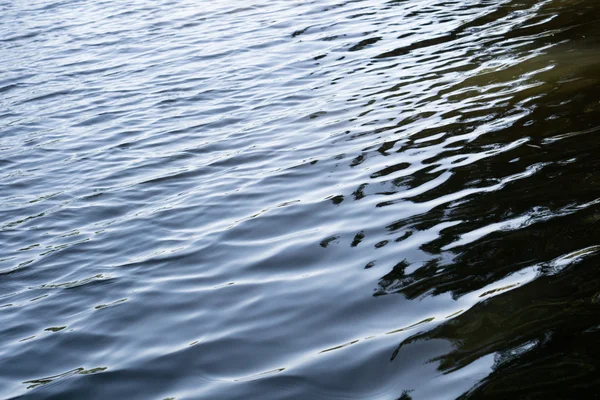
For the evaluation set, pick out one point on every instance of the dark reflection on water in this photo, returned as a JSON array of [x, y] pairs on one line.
[[293, 200]]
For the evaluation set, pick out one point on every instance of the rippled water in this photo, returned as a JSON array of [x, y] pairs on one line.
[[299, 200]]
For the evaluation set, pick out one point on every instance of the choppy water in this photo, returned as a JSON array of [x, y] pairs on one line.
[[299, 200]]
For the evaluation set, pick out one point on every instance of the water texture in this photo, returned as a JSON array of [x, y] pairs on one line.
[[292, 199]]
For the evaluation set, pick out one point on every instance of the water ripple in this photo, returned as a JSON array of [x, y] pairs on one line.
[[290, 200]]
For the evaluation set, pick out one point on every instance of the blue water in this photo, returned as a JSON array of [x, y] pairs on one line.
[[299, 199]]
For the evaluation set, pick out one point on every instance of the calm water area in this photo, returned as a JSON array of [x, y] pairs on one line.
[[289, 199]]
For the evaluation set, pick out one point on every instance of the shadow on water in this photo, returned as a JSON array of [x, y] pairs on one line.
[[523, 237]]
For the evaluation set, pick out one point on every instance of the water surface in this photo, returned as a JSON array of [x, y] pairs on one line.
[[299, 199]]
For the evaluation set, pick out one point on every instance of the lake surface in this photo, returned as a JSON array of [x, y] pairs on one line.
[[299, 199]]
